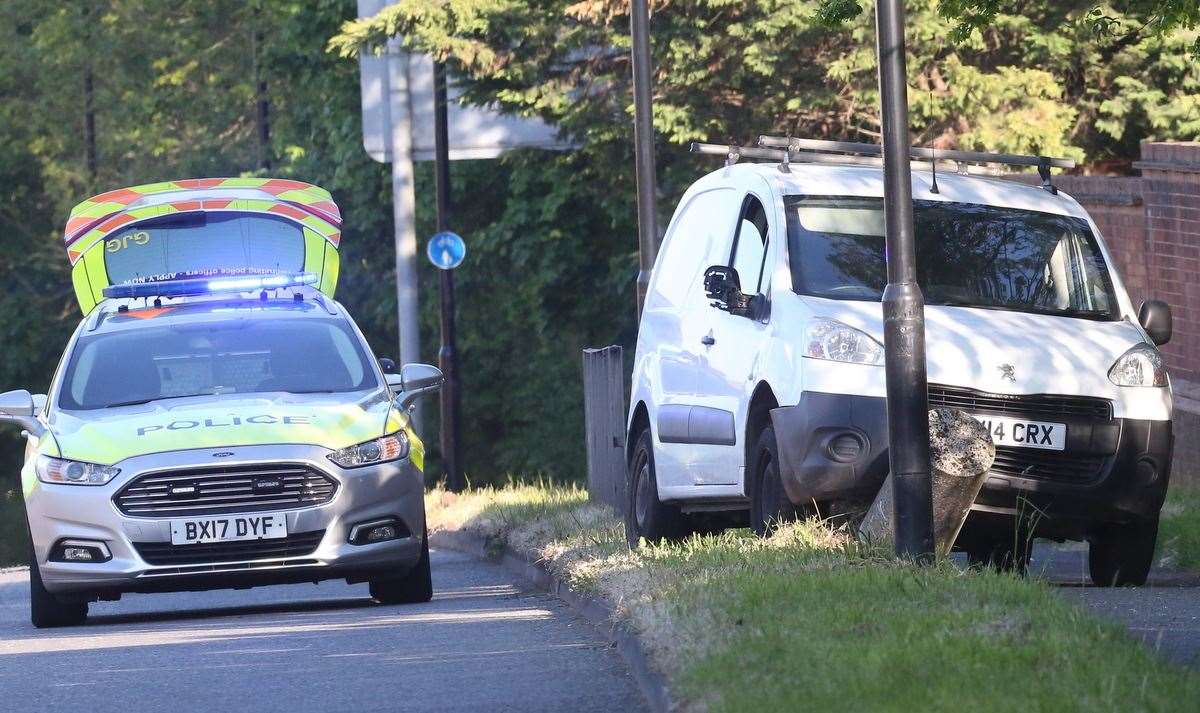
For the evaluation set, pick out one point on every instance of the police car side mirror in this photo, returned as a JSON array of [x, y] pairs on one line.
[[1155, 318], [418, 380], [18, 407]]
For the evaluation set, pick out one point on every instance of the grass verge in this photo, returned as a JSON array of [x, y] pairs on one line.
[[809, 619], [1179, 529]]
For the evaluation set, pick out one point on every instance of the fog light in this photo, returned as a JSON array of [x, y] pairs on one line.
[[381, 530], [845, 447], [80, 551]]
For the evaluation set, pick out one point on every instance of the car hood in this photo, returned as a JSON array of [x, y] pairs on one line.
[[1008, 352], [329, 420]]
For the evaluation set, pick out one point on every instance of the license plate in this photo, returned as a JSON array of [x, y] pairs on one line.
[[228, 528], [1025, 434]]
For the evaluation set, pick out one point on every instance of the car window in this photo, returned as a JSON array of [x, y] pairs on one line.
[[696, 238], [230, 356], [968, 255], [750, 246]]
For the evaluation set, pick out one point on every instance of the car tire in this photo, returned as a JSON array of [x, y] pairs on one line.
[[1121, 555], [769, 503], [413, 588], [47, 610], [1007, 552], [645, 515]]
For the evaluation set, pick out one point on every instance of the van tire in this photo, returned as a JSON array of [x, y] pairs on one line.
[[1121, 555], [769, 503], [47, 610], [415, 587], [645, 515]]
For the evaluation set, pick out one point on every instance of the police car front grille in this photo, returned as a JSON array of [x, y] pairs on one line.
[[1041, 406], [225, 490], [1052, 466], [165, 553]]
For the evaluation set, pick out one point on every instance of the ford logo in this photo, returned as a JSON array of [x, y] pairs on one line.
[[222, 454]]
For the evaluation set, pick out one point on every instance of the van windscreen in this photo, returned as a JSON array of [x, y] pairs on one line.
[[968, 255]]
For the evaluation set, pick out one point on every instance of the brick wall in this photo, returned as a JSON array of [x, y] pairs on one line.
[[1171, 197]]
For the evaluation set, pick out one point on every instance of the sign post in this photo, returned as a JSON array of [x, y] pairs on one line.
[[903, 304], [643, 147], [446, 251]]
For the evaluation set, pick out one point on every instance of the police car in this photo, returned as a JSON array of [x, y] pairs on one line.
[[758, 385], [217, 419]]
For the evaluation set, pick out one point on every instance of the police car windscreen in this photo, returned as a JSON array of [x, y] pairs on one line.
[[201, 244], [227, 357], [967, 255]]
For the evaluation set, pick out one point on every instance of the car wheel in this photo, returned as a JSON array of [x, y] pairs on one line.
[[1008, 552], [1121, 555], [413, 588], [645, 515], [769, 503], [47, 610]]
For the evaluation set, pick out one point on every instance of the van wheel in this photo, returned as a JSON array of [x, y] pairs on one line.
[[1121, 555], [45, 609], [769, 503], [645, 515], [413, 588]]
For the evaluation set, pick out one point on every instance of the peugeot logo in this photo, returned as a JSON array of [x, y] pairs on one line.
[[1007, 372], [222, 454]]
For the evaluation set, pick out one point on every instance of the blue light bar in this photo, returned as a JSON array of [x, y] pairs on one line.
[[205, 286]]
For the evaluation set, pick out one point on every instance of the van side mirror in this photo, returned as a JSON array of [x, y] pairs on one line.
[[1155, 318], [724, 287], [18, 407], [417, 380]]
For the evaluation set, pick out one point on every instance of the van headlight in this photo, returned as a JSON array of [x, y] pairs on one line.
[[73, 472], [834, 341], [379, 450], [1140, 366]]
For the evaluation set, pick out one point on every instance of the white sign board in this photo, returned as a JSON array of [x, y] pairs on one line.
[[474, 132]]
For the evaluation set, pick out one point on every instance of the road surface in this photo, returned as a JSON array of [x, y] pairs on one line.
[[482, 644], [1165, 614]]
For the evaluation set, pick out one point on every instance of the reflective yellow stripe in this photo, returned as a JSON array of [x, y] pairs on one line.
[[329, 273], [97, 271]]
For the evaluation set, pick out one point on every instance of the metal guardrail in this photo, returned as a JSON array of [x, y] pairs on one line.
[[604, 421]]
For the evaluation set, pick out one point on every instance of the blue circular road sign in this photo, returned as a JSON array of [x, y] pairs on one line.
[[446, 250]]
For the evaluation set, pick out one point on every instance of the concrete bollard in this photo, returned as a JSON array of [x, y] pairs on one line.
[[960, 453]]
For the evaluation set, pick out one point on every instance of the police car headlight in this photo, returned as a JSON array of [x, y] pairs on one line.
[[380, 450], [73, 472], [1140, 366], [833, 341]]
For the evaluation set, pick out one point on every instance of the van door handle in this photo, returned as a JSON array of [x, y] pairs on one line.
[[707, 340]]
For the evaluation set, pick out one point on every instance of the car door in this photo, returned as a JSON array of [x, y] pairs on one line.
[[672, 324], [728, 370]]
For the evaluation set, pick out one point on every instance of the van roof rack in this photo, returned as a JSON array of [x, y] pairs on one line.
[[787, 149]]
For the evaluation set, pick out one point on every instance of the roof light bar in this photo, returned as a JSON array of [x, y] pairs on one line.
[[204, 285]]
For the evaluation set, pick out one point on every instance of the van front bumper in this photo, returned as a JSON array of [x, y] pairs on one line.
[[321, 533], [834, 447]]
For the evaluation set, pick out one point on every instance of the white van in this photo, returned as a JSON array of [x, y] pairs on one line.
[[758, 382]]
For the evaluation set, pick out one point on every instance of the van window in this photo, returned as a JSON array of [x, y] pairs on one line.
[[968, 255], [750, 246], [699, 232]]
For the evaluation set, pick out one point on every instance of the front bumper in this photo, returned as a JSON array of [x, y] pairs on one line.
[[389, 490], [1134, 458]]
